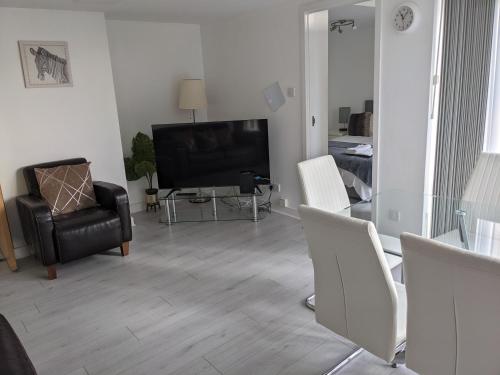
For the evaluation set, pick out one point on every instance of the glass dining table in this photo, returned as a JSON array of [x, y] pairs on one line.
[[467, 225], [470, 226]]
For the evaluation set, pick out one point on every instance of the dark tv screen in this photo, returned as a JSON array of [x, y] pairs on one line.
[[210, 154]]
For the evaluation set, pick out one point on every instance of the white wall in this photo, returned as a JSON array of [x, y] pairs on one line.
[[405, 81], [149, 60], [45, 124], [244, 54], [350, 71]]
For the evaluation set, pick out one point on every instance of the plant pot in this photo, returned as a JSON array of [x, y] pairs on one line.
[[151, 196]]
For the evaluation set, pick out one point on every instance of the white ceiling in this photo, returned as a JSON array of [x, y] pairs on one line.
[[184, 11]]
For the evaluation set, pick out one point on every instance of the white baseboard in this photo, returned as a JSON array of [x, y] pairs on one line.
[[286, 211], [137, 207], [22, 252]]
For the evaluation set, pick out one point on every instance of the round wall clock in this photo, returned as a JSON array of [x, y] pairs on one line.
[[404, 17]]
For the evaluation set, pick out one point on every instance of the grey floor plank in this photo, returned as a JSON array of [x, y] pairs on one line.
[[196, 298]]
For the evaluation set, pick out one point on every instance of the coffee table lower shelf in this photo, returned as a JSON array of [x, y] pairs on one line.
[[214, 208]]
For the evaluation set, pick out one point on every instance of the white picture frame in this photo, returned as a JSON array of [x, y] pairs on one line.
[[45, 64]]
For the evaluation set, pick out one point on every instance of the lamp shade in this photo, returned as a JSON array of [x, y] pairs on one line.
[[192, 94]]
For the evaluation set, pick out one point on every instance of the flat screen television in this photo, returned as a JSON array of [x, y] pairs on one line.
[[210, 154]]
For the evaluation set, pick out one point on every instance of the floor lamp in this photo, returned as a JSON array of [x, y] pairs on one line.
[[192, 96]]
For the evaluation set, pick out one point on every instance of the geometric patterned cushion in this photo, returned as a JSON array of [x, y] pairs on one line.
[[66, 188]]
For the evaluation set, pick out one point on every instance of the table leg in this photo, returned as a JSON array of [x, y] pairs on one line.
[[462, 230], [255, 208], [5, 238], [167, 212], [174, 209], [214, 202]]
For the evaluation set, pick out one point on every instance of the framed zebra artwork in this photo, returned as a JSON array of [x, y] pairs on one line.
[[45, 64]]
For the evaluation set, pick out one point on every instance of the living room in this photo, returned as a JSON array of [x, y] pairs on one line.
[[185, 276]]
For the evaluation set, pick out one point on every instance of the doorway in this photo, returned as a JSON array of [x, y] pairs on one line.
[[340, 77]]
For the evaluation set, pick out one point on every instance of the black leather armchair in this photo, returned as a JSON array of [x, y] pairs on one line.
[[67, 237]]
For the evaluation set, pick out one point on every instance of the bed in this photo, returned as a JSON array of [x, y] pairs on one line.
[[356, 171]]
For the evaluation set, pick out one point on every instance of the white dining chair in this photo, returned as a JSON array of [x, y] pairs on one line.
[[453, 309], [356, 296], [482, 189], [322, 187], [483, 183]]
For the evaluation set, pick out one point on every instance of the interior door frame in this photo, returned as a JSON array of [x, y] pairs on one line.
[[317, 6], [311, 111]]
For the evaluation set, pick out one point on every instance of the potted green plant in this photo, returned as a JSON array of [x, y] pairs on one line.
[[142, 164]]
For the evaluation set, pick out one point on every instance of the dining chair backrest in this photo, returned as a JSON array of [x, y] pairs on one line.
[[483, 187], [355, 294], [453, 309], [322, 185]]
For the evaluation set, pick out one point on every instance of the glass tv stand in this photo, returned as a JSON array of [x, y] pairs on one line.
[[218, 204]]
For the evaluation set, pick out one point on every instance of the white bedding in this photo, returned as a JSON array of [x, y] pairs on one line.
[[350, 180], [363, 190]]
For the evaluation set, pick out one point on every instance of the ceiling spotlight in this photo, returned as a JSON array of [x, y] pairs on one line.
[[338, 25]]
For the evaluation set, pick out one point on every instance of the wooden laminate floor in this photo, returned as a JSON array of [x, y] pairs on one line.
[[198, 298]]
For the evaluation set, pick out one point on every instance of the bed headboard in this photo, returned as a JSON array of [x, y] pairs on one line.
[[369, 106]]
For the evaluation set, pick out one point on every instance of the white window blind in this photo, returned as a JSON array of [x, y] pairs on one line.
[[492, 130]]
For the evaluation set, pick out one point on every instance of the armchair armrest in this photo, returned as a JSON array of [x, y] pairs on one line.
[[114, 197], [38, 227]]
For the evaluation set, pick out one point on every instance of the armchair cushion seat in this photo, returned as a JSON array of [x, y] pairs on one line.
[[86, 232]]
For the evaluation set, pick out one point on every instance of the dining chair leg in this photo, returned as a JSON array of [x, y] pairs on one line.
[[357, 351], [400, 357], [309, 302]]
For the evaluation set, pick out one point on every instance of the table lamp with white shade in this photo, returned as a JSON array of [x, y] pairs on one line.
[[192, 95]]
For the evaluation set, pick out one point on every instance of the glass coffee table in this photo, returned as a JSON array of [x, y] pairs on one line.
[[222, 204]]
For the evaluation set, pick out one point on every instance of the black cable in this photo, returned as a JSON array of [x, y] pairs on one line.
[[267, 204]]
